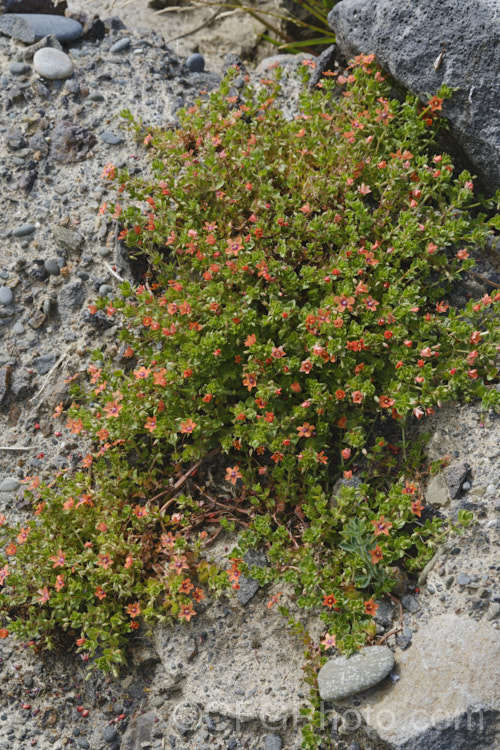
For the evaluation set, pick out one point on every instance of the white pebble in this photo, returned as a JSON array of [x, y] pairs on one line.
[[52, 64]]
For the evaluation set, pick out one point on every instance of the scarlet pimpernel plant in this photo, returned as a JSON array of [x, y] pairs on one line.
[[296, 317]]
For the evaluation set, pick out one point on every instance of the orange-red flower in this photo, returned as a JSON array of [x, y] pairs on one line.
[[329, 641], [134, 610], [234, 246], [371, 607], [187, 612], [104, 560], [59, 559], [4, 572], [23, 535], [100, 593], [417, 508], [178, 564], [113, 409], [381, 526], [44, 595], [250, 340], [376, 555], [305, 430], [329, 600], [198, 595], [344, 303], [233, 473], [386, 402], [273, 600], [250, 381], [186, 586], [188, 426]]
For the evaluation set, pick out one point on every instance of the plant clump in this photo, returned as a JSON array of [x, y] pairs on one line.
[[296, 318]]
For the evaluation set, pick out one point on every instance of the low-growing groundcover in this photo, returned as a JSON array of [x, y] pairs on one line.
[[296, 317]]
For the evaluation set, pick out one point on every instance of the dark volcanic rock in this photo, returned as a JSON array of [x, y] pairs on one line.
[[424, 44], [71, 142], [33, 6], [5, 375]]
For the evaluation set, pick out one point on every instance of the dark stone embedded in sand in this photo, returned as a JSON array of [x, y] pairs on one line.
[[33, 6], [71, 142]]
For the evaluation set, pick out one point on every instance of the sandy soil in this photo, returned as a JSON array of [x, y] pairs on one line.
[[191, 27]]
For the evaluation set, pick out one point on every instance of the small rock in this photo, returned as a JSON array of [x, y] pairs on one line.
[[437, 492], [403, 640], [249, 586], [17, 27], [273, 742], [195, 63], [52, 267], [342, 677], [138, 732], [111, 138], [110, 734], [37, 320], [9, 484], [67, 239], [47, 41], [24, 230], [71, 142], [455, 475], [72, 296], [384, 613], [493, 611], [53, 64], [121, 45], [83, 743], [463, 579], [42, 24], [410, 603], [5, 378], [18, 68], [6, 295], [44, 363]]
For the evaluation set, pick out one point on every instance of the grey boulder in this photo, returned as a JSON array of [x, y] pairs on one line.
[[447, 694], [425, 43]]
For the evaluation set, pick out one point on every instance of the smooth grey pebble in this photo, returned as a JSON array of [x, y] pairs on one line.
[[195, 63], [112, 139], [24, 230], [121, 45], [6, 295], [52, 267]]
